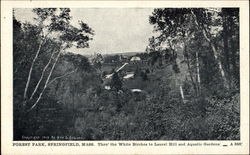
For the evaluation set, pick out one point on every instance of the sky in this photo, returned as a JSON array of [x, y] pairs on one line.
[[116, 29]]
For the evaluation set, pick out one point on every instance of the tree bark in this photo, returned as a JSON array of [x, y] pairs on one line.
[[198, 71]]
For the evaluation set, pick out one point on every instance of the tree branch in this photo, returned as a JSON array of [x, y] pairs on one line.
[[61, 76]]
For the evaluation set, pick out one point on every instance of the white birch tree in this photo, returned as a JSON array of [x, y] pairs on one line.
[[55, 25]]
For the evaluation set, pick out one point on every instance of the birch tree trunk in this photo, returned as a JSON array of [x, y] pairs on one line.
[[182, 94], [42, 75], [198, 72], [215, 52], [31, 69], [47, 81]]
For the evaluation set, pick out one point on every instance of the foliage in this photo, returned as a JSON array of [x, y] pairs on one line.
[[97, 61], [111, 58], [36, 48], [116, 82]]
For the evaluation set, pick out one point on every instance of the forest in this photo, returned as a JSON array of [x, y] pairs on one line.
[[184, 86]]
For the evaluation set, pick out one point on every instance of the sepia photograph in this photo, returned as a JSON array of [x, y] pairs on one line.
[[126, 74]]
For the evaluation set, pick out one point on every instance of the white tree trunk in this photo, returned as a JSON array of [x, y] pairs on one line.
[[47, 81], [198, 70], [182, 94], [31, 69], [42, 75]]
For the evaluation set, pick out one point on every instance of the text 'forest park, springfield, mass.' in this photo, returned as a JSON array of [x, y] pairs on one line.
[[103, 144]]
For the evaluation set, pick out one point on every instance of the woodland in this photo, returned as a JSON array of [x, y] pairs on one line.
[[186, 84]]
